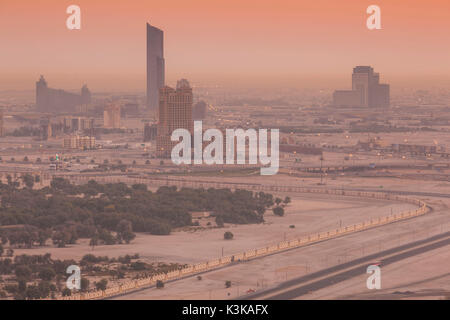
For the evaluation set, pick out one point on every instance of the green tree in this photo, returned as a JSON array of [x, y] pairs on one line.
[[228, 235], [44, 288], [28, 180], [125, 231], [21, 285], [279, 211], [47, 274], [66, 292], [23, 272], [32, 293], [43, 236], [278, 201], [219, 221], [94, 241], [101, 285], [84, 284]]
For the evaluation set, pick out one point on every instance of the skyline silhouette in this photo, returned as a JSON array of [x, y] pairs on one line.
[[310, 44]]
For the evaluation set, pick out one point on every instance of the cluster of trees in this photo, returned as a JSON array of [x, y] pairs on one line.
[[278, 209], [111, 213], [37, 276], [40, 276], [26, 132], [26, 180]]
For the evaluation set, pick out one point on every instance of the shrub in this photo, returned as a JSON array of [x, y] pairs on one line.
[[84, 284], [47, 274], [23, 272], [279, 211], [159, 284], [101, 285], [219, 221], [228, 235], [287, 200], [66, 292]]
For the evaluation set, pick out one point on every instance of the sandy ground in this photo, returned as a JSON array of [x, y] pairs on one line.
[[379, 183], [309, 214], [272, 270]]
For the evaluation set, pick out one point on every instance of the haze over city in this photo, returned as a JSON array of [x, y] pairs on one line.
[[233, 43], [245, 151]]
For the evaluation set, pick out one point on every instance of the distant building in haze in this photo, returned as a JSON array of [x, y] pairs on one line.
[[111, 116], [155, 65], [79, 142], [57, 100], [366, 90], [175, 112], [150, 132], [129, 110], [73, 124], [199, 110]]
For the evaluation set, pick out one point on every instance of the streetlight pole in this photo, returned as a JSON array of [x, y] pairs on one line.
[[321, 170]]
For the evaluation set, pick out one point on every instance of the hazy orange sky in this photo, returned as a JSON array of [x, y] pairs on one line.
[[260, 42]]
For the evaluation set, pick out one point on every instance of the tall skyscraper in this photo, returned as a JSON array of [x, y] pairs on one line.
[[155, 65], [367, 91], [175, 112]]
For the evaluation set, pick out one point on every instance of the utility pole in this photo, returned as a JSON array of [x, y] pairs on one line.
[[321, 171]]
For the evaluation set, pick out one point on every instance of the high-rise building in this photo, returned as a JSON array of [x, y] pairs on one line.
[[155, 65], [175, 112], [366, 90], [57, 100], [79, 142], [73, 123], [111, 116]]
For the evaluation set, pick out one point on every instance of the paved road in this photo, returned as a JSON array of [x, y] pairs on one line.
[[291, 289]]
